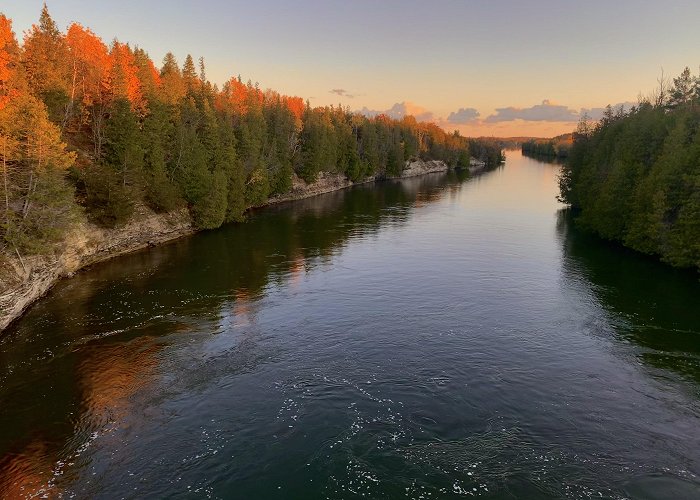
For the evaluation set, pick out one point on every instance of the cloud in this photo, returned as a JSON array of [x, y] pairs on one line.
[[463, 116], [401, 109], [545, 112], [596, 114], [548, 112], [342, 93]]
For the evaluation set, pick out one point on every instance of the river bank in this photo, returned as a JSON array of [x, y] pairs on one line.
[[24, 281]]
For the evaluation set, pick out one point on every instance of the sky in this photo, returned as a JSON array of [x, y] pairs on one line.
[[483, 67]]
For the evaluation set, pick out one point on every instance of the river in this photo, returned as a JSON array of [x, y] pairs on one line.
[[433, 337]]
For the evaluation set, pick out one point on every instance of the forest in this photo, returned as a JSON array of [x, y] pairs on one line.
[[634, 176], [89, 131], [555, 148]]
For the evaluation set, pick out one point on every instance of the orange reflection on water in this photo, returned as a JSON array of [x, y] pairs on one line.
[[112, 374], [28, 474], [297, 269], [243, 312], [108, 378]]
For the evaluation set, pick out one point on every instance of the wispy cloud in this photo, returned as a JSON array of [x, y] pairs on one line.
[[343, 93], [463, 116]]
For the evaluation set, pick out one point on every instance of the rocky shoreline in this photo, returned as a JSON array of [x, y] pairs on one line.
[[24, 281]]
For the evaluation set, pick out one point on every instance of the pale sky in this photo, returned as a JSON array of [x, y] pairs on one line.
[[540, 62]]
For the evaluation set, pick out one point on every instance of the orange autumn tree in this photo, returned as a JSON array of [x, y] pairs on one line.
[[296, 105], [44, 57], [238, 98], [124, 79], [90, 68], [119, 74], [148, 74], [172, 84], [37, 201], [10, 83]]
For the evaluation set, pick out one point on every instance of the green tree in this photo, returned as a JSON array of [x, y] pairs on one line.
[[634, 177], [162, 194], [38, 204]]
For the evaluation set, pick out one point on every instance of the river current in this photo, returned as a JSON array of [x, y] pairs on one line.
[[434, 337]]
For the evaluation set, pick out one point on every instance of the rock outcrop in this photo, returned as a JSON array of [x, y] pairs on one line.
[[422, 167], [23, 281]]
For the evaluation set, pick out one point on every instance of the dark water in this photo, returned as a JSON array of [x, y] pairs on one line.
[[431, 338]]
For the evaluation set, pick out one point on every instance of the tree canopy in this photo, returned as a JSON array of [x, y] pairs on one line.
[[635, 175], [96, 129]]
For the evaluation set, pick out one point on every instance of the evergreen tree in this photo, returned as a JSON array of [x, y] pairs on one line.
[[161, 193], [634, 177], [38, 205], [44, 56], [189, 75], [114, 187], [172, 83]]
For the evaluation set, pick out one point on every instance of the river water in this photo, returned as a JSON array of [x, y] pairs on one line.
[[434, 337]]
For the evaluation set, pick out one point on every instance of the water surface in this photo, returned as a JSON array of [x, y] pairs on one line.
[[432, 337]]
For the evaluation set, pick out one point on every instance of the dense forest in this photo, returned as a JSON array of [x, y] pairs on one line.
[[91, 131], [634, 176], [556, 148]]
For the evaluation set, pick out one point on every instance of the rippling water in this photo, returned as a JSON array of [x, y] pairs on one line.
[[433, 337]]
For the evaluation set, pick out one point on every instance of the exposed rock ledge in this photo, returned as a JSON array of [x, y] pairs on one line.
[[328, 182], [421, 167], [23, 282]]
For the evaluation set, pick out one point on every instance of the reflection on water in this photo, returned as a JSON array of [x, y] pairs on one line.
[[655, 307], [93, 340], [431, 337]]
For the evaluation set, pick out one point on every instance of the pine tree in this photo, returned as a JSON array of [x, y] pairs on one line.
[[161, 193], [38, 204], [683, 90], [172, 84], [189, 75], [123, 148], [114, 186], [45, 55]]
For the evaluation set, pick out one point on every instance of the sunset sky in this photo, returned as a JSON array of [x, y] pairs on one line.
[[485, 67]]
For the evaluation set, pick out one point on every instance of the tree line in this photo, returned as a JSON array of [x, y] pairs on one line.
[[556, 148], [634, 176], [91, 130]]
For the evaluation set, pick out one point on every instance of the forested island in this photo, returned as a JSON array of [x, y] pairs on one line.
[[99, 135], [634, 176]]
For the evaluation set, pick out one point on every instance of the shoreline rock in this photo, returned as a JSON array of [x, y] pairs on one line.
[[88, 244]]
